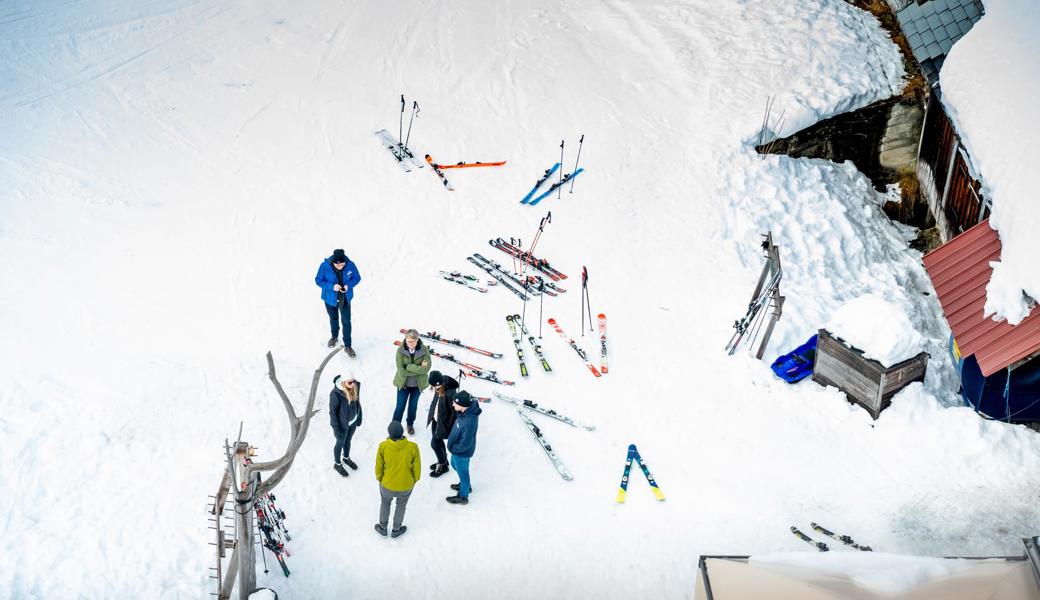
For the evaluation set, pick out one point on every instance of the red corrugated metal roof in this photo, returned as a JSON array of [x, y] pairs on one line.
[[960, 272]]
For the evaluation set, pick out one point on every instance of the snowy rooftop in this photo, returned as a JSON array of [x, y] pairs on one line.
[[990, 84], [933, 27]]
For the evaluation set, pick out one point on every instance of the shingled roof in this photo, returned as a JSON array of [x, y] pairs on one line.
[[932, 28], [960, 271]]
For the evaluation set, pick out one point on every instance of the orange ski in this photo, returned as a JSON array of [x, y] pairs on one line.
[[462, 165]]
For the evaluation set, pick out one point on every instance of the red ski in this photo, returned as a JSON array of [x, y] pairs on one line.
[[574, 345]]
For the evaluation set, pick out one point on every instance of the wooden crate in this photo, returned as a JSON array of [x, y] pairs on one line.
[[865, 381]]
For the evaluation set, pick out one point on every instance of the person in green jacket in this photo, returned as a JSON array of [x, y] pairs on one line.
[[412, 377], [398, 467]]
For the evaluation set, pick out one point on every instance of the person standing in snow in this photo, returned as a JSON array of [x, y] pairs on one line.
[[398, 466], [345, 416], [441, 418], [413, 367], [462, 443], [337, 276]]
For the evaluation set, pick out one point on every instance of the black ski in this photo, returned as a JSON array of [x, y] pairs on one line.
[[844, 539], [808, 540]]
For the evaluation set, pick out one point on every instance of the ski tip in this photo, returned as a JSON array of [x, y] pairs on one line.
[[794, 529], [603, 371], [658, 494], [601, 316], [631, 447], [621, 496], [552, 321]]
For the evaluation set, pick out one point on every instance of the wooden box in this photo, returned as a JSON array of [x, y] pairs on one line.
[[865, 381]]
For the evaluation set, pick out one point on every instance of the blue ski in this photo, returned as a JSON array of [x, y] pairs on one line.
[[545, 177], [556, 186]]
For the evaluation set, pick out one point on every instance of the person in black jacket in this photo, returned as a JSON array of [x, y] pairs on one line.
[[345, 416], [440, 419]]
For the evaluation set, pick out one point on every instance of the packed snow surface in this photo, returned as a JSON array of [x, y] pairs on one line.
[[173, 173], [990, 82], [882, 330], [876, 571]]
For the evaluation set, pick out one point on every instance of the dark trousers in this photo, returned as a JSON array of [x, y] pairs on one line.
[[409, 395], [335, 313], [342, 447], [439, 449]]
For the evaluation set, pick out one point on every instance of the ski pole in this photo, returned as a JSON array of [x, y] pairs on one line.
[[415, 111], [558, 191], [541, 303], [541, 228], [584, 280], [580, 142], [400, 121], [585, 297]]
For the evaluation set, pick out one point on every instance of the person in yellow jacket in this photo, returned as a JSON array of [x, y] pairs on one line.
[[398, 467]]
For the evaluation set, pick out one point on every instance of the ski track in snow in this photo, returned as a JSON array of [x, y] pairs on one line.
[[174, 173]]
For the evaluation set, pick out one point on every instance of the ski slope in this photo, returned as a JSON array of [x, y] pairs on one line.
[[172, 173]]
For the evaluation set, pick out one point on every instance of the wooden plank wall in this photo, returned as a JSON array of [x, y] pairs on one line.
[[963, 208], [864, 381]]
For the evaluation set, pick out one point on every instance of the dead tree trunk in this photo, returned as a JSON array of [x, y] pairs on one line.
[[247, 486]]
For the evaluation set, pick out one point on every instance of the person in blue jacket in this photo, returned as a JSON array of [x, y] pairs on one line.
[[345, 416], [462, 443], [337, 276]]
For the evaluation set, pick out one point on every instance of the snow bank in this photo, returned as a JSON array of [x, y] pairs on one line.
[[880, 329], [990, 82], [877, 571]]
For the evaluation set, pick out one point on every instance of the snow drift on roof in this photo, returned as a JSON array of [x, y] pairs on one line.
[[990, 82]]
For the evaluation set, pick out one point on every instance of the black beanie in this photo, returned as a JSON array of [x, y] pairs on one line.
[[436, 378], [463, 398], [395, 430], [338, 255]]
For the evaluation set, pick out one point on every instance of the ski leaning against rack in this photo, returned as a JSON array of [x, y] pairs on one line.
[[808, 540], [534, 344], [537, 433], [499, 277], [447, 184], [754, 307], [574, 345], [268, 535], [556, 186], [459, 279], [844, 539], [602, 342], [545, 177], [534, 406], [517, 344], [433, 336]]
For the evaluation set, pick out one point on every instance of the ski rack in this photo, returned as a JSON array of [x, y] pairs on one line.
[[767, 290]]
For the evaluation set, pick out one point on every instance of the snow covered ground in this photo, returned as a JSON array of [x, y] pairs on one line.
[[173, 173]]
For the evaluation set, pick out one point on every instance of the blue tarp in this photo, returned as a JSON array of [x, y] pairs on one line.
[[797, 364], [993, 397]]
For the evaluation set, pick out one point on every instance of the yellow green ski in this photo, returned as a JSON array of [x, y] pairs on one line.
[[633, 454]]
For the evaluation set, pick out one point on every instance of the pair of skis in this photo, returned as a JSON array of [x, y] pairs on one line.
[[433, 336], [531, 199], [465, 280], [499, 276], [633, 455], [581, 353], [513, 250], [844, 539], [532, 284], [516, 326], [439, 169], [403, 156], [469, 369], [522, 406]]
